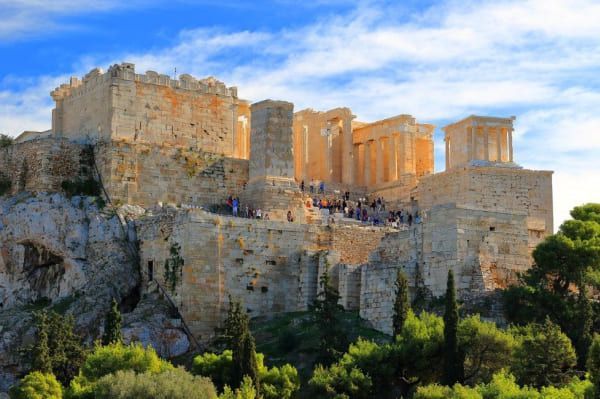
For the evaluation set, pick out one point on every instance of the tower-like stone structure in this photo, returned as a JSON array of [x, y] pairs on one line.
[[271, 185]]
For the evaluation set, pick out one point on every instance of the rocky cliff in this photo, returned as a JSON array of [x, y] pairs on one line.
[[70, 256]]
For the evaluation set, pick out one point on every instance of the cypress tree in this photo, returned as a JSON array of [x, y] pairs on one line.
[[585, 315], [327, 312], [42, 360], [238, 338], [453, 362], [401, 305], [112, 325]]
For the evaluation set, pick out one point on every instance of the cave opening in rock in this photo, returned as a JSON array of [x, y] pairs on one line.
[[43, 270]]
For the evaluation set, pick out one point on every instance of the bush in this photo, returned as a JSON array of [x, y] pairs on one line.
[[109, 359], [173, 384], [5, 141], [504, 386], [245, 391], [37, 385], [88, 187], [275, 382]]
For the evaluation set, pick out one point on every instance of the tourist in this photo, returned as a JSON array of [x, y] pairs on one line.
[[258, 214], [235, 204], [322, 187], [302, 186], [247, 212], [290, 218], [410, 219], [266, 216], [312, 185]]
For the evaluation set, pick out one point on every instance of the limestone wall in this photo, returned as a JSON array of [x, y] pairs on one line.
[[508, 190], [144, 174], [42, 165], [153, 109]]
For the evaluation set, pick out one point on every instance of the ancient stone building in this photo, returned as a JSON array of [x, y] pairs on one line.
[[191, 143]]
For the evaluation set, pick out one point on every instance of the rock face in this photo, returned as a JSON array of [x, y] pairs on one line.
[[69, 256]]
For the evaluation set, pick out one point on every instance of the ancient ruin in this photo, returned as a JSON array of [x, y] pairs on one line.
[[178, 148]]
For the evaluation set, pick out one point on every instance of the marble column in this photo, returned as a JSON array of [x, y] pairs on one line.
[[499, 144], [379, 161], [510, 146], [447, 140], [486, 143], [473, 142], [367, 172], [392, 168], [401, 157], [355, 177]]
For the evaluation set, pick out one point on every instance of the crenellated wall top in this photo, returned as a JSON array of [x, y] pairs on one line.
[[126, 72]]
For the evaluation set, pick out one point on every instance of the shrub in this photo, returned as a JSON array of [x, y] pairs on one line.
[[173, 384], [245, 391], [109, 359], [37, 385], [5, 141]]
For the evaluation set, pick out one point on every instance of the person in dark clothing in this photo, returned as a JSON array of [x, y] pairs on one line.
[[302, 186], [410, 218]]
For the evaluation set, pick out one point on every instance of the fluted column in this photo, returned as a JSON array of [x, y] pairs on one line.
[[379, 161], [498, 144], [367, 172], [510, 146], [473, 142], [447, 140], [401, 157], [486, 143], [392, 168]]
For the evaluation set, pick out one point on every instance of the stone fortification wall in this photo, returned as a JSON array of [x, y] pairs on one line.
[[271, 266], [152, 109], [397, 251], [143, 174], [507, 190], [42, 165]]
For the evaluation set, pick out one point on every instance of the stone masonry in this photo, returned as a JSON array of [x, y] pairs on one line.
[[172, 146]]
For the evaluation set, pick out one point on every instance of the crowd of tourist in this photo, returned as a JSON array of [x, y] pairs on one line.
[[371, 212]]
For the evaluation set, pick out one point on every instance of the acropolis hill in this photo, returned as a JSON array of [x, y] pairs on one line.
[[170, 152]]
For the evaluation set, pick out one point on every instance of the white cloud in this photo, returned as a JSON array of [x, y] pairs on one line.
[[535, 59]]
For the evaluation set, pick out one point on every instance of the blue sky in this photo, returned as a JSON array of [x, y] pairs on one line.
[[438, 60]]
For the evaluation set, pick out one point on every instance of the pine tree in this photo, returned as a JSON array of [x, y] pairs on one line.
[[112, 325], [327, 311], [249, 364], [585, 320], [401, 305], [453, 362]]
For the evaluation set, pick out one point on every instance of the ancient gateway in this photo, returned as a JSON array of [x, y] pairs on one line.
[[171, 151]]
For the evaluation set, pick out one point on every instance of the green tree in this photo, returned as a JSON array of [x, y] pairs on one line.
[[5, 140], [327, 313], [37, 385], [593, 364], [486, 348], [544, 356], [112, 325], [245, 391], [564, 264], [105, 360], [401, 304], [237, 337], [583, 330], [173, 384], [57, 349], [453, 360], [275, 382], [41, 360]]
